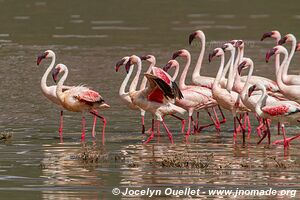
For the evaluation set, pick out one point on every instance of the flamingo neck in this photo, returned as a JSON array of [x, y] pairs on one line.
[[144, 81], [287, 64], [230, 80], [196, 73], [175, 73], [237, 77], [261, 102], [59, 92], [219, 74], [135, 80], [125, 81], [279, 81], [47, 72], [244, 92], [226, 68], [182, 84]]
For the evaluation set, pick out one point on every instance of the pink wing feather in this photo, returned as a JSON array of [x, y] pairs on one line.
[[89, 96], [162, 74]]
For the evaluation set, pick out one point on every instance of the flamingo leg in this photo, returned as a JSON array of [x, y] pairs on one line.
[[248, 124], [151, 130], [234, 131], [83, 122], [158, 128], [286, 141], [266, 132], [208, 125], [95, 113], [217, 121], [222, 114], [168, 132], [189, 127], [260, 126], [94, 125], [143, 124], [61, 123], [182, 122], [241, 126]]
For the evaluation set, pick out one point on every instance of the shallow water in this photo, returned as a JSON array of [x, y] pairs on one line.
[[90, 38]]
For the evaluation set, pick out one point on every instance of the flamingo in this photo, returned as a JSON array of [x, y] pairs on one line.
[[292, 92], [195, 97], [197, 79], [289, 79], [79, 98], [50, 91], [225, 98], [298, 47], [161, 74], [282, 111], [158, 105]]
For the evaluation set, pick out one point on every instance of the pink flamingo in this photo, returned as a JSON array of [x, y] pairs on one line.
[[282, 111], [198, 79], [224, 97], [50, 91], [289, 79], [195, 97], [159, 104], [292, 92], [79, 99]]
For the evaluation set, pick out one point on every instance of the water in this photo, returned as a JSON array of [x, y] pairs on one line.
[[90, 38]]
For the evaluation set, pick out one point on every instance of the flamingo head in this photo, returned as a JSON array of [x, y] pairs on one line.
[[217, 52], [233, 42], [132, 60], [240, 44], [58, 68], [227, 47], [121, 62], [276, 50], [46, 54], [287, 38], [170, 64], [180, 53], [149, 58], [198, 34], [298, 47], [245, 63], [251, 90], [272, 34]]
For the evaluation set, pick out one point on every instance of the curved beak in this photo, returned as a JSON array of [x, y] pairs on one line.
[[192, 37], [40, 58], [238, 43], [241, 67], [127, 66], [167, 67], [55, 73], [269, 54], [224, 46], [266, 35], [282, 41], [119, 64], [176, 54], [143, 57], [211, 55], [251, 89]]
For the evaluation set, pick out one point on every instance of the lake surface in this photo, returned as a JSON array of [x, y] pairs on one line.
[[90, 37]]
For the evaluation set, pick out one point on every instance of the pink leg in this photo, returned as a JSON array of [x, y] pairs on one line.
[[234, 131], [151, 133], [83, 128], [241, 126], [248, 124], [188, 132], [94, 125], [61, 123], [260, 126], [158, 128], [217, 122], [223, 116], [286, 141], [182, 122], [168, 132], [104, 124], [208, 125]]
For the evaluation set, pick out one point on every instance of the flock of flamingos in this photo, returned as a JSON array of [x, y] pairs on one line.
[[277, 101]]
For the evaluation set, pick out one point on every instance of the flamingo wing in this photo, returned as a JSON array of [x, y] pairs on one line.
[[162, 74], [280, 110], [85, 94]]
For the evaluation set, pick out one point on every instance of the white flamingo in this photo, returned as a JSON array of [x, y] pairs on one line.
[[158, 105], [79, 99]]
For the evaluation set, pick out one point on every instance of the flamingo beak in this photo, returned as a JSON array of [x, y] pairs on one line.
[[127, 66], [282, 41], [55, 73], [269, 54], [41, 57], [119, 64], [251, 90], [241, 67], [192, 37], [297, 47], [211, 55], [238, 43], [144, 57], [167, 67], [266, 35], [176, 54], [224, 47]]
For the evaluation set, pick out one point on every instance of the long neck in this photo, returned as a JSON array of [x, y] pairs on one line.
[[247, 84], [144, 81], [279, 81], [237, 77], [230, 80], [219, 74], [197, 69], [59, 92], [184, 72], [261, 102], [125, 81], [175, 73], [226, 68], [287, 64], [135, 80], [47, 72]]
